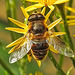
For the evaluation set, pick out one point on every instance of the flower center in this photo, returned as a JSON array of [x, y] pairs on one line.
[[51, 2], [47, 2]]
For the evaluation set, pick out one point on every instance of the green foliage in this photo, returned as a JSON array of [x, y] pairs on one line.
[[4, 61]]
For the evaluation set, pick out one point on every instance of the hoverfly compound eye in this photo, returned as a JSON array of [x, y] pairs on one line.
[[36, 16]]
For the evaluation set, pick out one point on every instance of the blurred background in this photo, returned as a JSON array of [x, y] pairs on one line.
[[47, 67]]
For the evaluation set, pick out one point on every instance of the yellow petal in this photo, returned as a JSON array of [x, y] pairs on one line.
[[61, 1], [14, 48], [70, 9], [43, 2], [70, 21], [52, 49], [18, 23], [70, 17], [51, 2], [51, 7], [39, 63], [32, 7], [19, 45], [54, 23], [25, 13], [71, 24], [18, 30], [14, 43], [48, 14], [29, 57], [57, 34], [32, 0], [43, 11]]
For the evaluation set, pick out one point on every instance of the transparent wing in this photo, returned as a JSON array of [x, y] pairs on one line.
[[22, 49], [60, 46], [18, 54]]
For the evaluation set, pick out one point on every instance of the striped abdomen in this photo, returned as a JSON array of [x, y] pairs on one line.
[[39, 50]]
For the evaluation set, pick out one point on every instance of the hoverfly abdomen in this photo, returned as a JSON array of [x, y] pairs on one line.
[[39, 50]]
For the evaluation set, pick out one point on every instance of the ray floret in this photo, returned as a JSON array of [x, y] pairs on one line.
[[54, 23], [57, 34], [33, 0], [51, 48], [33, 7], [70, 21], [70, 9], [18, 30], [46, 3], [70, 17], [71, 24], [25, 13], [43, 11], [15, 42], [39, 62], [18, 23], [13, 49], [48, 14], [60, 1], [29, 57]]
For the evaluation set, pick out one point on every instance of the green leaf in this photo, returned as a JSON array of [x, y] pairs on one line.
[[2, 71], [4, 61]]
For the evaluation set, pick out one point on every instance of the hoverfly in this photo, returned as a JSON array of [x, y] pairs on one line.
[[38, 40]]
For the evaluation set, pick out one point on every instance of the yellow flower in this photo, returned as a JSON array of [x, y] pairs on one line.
[[23, 30], [72, 18], [70, 22], [70, 9], [42, 3]]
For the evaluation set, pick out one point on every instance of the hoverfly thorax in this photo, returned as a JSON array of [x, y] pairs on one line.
[[37, 24]]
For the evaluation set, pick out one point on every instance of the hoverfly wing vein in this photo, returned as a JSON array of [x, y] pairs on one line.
[[61, 47], [20, 53]]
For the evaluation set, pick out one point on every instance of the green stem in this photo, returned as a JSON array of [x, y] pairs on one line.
[[61, 27], [50, 54], [13, 9], [61, 56], [13, 15], [11, 12], [61, 8], [51, 19], [60, 63], [6, 67], [24, 3], [24, 60], [9, 15], [70, 5], [22, 64], [55, 63]]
